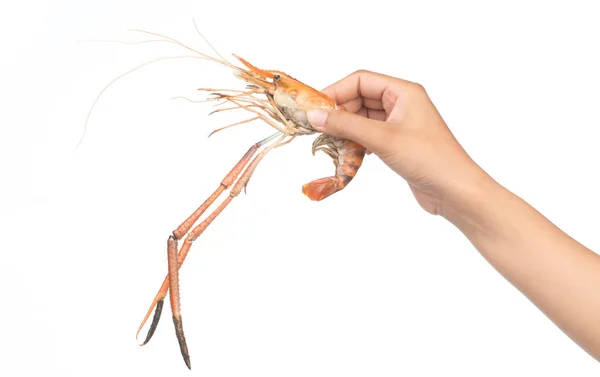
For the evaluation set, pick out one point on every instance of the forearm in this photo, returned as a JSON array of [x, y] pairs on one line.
[[559, 275]]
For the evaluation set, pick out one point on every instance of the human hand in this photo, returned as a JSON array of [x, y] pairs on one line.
[[396, 120]]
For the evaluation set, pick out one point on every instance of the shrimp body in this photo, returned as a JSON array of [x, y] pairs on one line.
[[294, 99], [347, 155]]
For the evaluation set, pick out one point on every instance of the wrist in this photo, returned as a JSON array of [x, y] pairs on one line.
[[467, 202]]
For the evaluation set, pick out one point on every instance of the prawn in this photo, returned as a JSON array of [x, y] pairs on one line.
[[282, 102]]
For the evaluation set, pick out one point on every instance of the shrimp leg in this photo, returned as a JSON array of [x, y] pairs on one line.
[[176, 260], [184, 227]]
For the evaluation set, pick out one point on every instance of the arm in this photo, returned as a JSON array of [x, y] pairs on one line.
[[559, 275], [396, 120]]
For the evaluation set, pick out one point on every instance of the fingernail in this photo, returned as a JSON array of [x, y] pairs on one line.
[[317, 118]]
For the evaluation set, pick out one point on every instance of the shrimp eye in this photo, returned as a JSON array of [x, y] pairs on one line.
[[276, 77]]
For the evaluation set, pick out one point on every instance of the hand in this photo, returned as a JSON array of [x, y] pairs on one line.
[[396, 120]]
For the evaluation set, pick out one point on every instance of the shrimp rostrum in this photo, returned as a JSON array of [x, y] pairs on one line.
[[282, 102]]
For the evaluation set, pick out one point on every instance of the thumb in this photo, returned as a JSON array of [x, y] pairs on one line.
[[370, 133]]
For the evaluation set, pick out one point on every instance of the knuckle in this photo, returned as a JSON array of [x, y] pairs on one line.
[[418, 88], [361, 72], [416, 91]]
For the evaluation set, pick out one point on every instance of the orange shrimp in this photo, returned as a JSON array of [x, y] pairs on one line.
[[294, 99], [282, 102]]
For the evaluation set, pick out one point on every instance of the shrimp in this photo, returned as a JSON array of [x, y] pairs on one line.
[[282, 102]]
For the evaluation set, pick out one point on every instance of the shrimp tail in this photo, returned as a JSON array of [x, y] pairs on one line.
[[347, 157], [322, 188]]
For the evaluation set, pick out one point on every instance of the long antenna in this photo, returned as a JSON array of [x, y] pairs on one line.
[[208, 43], [120, 77]]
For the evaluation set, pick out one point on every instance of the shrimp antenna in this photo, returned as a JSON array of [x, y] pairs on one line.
[[120, 77], [207, 42], [202, 55]]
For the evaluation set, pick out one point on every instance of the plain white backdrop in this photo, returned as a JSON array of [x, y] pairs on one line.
[[363, 283]]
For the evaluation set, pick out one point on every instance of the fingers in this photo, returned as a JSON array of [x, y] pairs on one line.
[[376, 114], [358, 103], [372, 104], [367, 98], [367, 84], [372, 114], [372, 134], [353, 106]]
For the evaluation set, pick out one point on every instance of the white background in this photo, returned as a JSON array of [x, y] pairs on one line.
[[363, 283]]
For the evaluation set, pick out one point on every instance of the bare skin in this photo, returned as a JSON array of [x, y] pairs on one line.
[[396, 120]]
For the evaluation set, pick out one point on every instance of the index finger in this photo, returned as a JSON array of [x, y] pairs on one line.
[[364, 84]]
